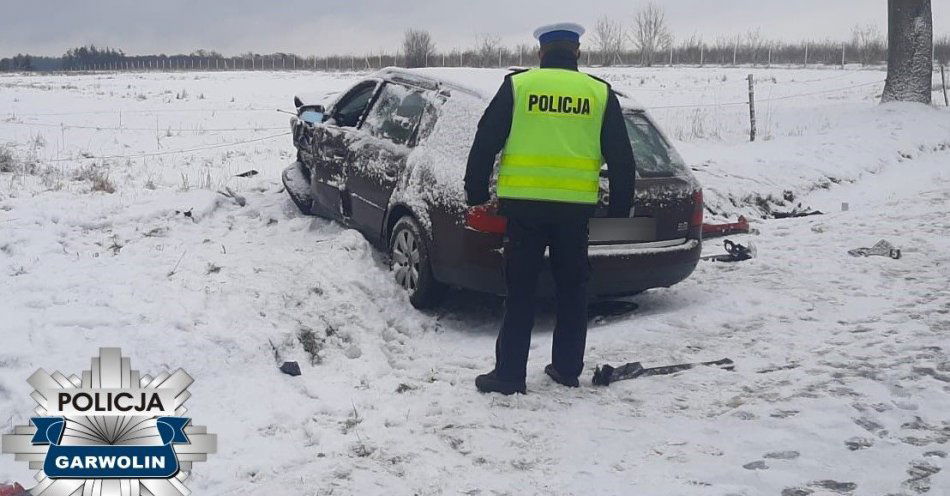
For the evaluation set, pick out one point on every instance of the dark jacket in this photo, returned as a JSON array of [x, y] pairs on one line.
[[493, 130]]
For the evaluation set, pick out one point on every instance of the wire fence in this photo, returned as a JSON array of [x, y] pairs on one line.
[[196, 130], [724, 84], [765, 100], [172, 152], [140, 111], [199, 130]]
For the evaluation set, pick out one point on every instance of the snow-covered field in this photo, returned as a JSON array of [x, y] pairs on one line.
[[842, 382]]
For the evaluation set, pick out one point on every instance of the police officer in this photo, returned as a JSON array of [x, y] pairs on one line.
[[554, 127]]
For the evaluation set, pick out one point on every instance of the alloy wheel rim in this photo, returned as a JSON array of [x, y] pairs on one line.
[[406, 260]]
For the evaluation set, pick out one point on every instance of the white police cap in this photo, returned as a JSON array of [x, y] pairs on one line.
[[561, 31]]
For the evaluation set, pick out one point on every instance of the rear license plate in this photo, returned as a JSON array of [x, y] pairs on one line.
[[630, 230]]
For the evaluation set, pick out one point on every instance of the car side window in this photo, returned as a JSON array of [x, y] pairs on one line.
[[396, 114], [348, 112]]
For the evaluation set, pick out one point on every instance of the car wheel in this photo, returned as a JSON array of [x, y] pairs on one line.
[[409, 261]]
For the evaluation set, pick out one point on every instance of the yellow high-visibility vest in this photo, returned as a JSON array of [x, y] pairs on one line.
[[553, 151]]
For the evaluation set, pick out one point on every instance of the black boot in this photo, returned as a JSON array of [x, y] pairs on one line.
[[490, 383], [560, 379]]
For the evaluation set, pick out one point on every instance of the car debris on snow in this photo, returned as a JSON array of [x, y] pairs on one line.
[[606, 374], [741, 226], [734, 253], [187, 213], [882, 248], [290, 368], [797, 212]]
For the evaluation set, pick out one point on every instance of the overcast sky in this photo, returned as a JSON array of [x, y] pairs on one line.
[[321, 27]]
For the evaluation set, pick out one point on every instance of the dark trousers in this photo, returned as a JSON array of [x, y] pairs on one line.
[[524, 259]]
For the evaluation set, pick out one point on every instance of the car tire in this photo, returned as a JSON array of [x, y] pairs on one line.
[[410, 263]]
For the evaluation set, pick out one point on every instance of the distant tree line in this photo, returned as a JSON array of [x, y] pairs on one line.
[[22, 62], [91, 55], [644, 40]]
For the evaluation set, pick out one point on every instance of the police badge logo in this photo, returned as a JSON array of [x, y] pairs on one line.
[[111, 432]]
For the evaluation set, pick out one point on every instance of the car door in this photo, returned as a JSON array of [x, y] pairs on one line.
[[377, 161], [331, 150]]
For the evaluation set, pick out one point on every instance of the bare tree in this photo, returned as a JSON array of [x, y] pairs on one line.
[[692, 49], [417, 46], [488, 50], [868, 41], [754, 42], [723, 46], [910, 51], [609, 39], [650, 32]]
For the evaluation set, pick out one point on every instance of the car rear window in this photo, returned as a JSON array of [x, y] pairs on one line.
[[396, 114], [655, 157]]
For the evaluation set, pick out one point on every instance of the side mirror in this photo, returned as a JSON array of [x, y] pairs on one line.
[[311, 114]]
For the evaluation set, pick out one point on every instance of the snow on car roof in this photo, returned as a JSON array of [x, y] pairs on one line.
[[317, 97], [481, 83]]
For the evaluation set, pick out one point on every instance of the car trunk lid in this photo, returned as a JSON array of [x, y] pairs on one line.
[[667, 199]]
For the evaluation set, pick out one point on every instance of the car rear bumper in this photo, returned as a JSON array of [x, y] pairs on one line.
[[615, 269], [628, 269]]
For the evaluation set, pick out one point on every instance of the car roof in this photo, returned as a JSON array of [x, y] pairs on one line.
[[479, 83]]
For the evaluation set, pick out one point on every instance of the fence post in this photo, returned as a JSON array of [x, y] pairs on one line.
[[702, 53], [752, 107], [806, 54], [943, 78]]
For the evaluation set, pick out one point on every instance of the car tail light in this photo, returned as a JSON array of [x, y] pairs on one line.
[[484, 218], [697, 218]]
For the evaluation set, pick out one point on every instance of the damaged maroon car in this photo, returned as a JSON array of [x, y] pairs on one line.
[[387, 158]]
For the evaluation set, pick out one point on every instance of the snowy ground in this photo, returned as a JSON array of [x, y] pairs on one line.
[[843, 376]]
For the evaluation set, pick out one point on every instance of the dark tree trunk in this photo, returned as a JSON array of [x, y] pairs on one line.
[[909, 51]]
